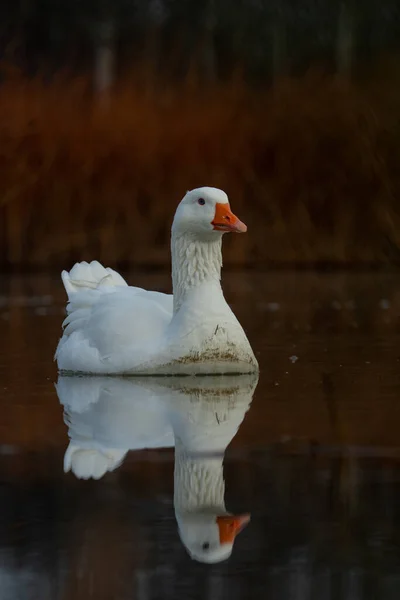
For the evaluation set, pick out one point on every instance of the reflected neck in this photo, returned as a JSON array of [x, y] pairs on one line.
[[194, 261], [198, 482]]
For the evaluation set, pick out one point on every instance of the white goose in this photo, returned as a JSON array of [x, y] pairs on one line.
[[112, 328], [107, 416]]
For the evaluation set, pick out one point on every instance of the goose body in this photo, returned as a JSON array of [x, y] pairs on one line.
[[107, 416], [113, 328]]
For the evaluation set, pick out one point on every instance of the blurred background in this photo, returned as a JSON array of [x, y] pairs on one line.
[[111, 109]]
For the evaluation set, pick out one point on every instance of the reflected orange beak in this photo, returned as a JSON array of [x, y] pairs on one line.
[[229, 526], [225, 220]]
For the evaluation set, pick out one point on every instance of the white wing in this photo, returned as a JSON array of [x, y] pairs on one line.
[[105, 317]]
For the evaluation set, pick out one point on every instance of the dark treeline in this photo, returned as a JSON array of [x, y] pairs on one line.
[[263, 38]]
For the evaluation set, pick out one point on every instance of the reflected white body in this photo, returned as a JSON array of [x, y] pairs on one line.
[[200, 416]]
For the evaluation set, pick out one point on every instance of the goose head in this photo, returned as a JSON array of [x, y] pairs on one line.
[[205, 213], [200, 221], [209, 538]]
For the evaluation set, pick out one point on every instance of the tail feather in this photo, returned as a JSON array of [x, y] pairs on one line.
[[90, 276], [91, 462], [84, 284]]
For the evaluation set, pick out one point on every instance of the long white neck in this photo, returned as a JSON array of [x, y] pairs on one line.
[[198, 482], [194, 262]]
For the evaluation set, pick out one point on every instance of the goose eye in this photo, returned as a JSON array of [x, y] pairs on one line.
[[201, 201], [206, 546]]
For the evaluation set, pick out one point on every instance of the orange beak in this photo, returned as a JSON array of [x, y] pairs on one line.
[[225, 220], [229, 526]]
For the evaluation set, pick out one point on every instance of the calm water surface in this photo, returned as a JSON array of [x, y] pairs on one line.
[[313, 455]]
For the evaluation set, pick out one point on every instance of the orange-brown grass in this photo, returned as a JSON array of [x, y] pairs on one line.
[[310, 165]]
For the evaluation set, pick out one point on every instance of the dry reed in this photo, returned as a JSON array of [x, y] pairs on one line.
[[310, 165]]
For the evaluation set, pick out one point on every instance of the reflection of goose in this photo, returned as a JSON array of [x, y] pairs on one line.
[[109, 416]]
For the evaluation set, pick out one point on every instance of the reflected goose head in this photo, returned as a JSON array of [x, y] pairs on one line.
[[205, 212], [209, 538]]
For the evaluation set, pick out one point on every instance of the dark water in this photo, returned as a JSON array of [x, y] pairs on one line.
[[315, 460]]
